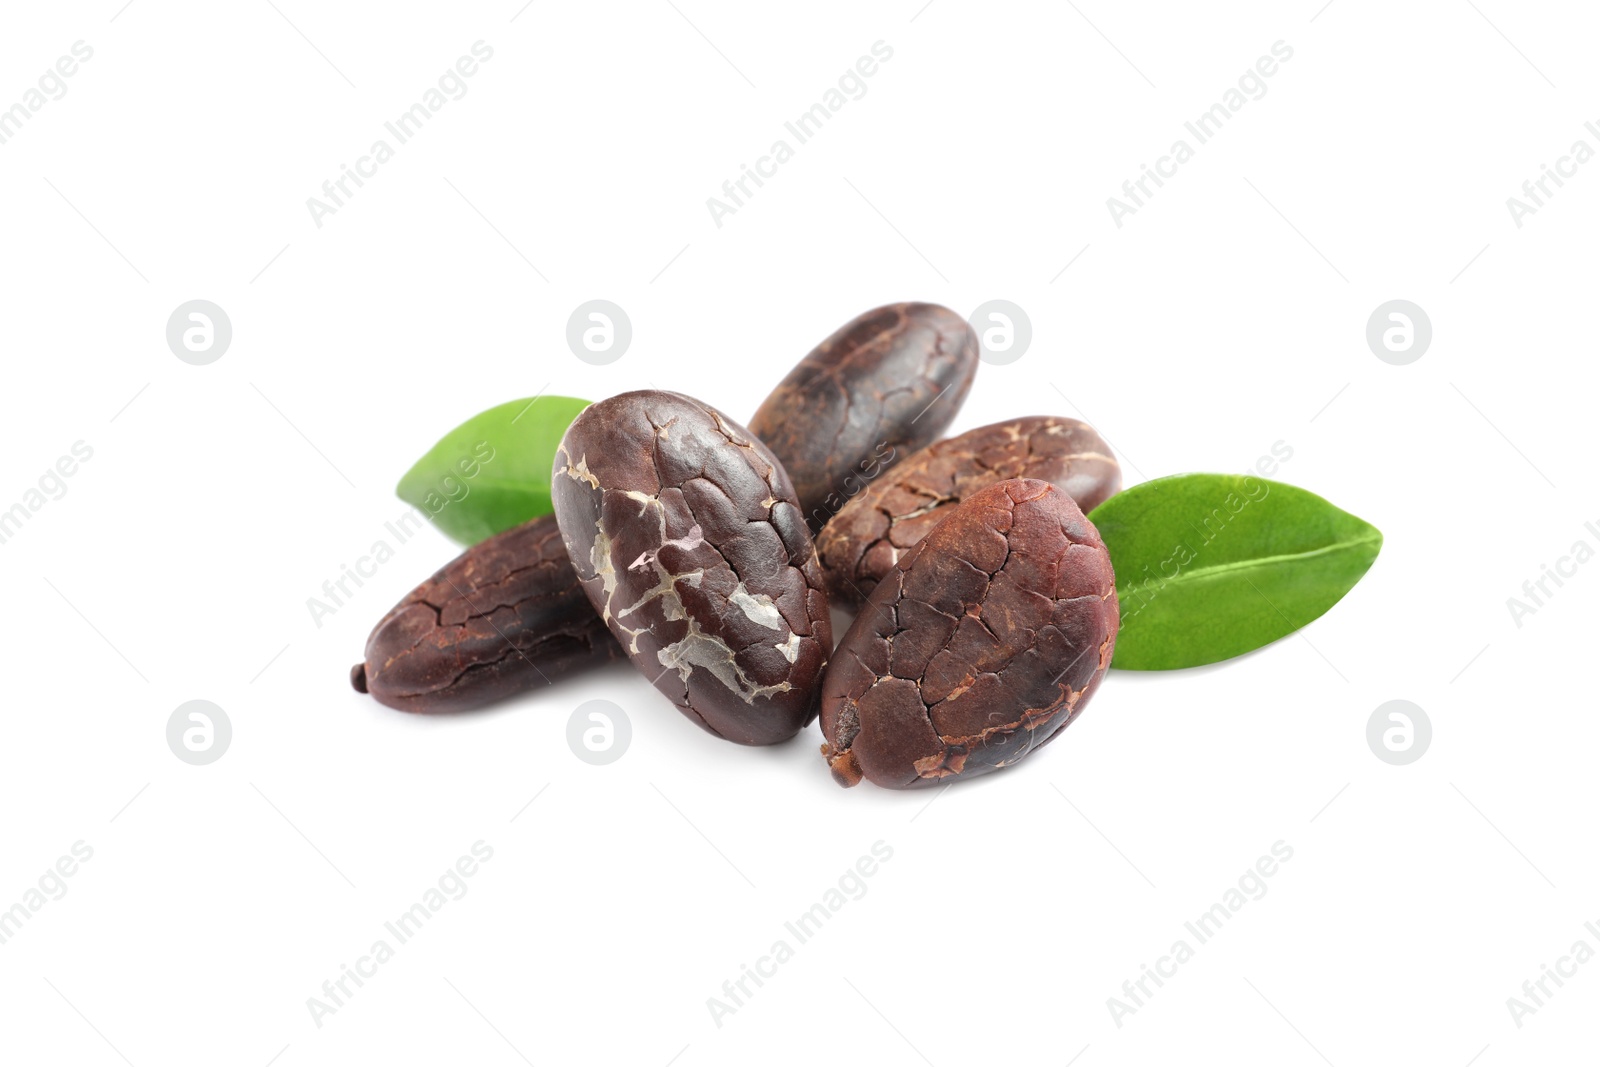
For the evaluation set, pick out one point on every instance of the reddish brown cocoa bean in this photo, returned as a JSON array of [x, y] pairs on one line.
[[869, 535], [986, 640], [507, 615], [689, 542], [883, 386]]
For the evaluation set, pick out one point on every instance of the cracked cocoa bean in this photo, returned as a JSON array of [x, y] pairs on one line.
[[505, 616], [884, 385], [983, 643], [864, 541], [687, 537]]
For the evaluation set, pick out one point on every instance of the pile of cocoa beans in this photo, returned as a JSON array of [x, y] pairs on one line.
[[709, 553]]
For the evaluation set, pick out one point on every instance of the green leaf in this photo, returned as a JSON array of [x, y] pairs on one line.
[[493, 471], [1211, 566]]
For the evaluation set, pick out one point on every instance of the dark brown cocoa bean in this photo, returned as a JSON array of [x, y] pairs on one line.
[[505, 616], [886, 519], [884, 385], [687, 537], [986, 640]]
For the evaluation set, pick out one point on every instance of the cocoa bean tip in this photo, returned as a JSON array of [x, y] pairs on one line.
[[846, 770], [358, 677]]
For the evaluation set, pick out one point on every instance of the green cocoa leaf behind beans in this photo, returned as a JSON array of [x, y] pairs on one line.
[[1211, 566], [493, 471]]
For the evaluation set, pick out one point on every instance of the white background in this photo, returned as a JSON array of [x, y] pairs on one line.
[[1225, 316]]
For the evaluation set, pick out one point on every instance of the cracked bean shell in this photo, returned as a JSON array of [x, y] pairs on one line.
[[886, 519], [689, 542], [985, 641], [884, 385], [505, 616]]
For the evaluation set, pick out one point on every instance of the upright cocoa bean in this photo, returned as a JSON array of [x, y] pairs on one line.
[[884, 385], [689, 542]]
